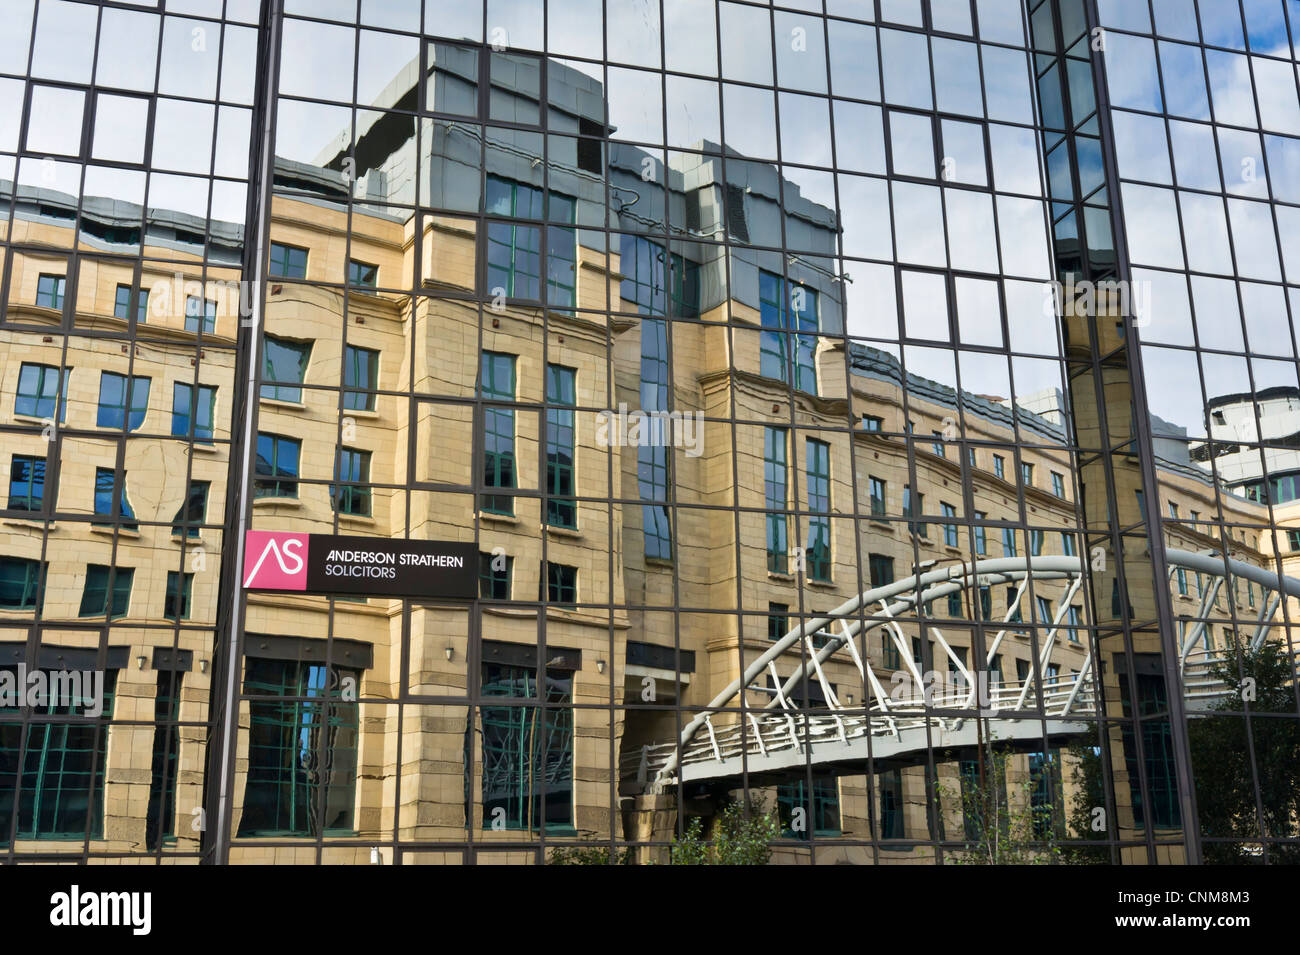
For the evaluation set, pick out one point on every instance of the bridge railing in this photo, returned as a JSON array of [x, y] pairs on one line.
[[720, 733]]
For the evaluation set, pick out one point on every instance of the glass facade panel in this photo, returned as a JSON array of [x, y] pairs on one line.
[[772, 354]]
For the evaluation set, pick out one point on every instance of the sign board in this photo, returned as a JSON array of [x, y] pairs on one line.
[[361, 566]]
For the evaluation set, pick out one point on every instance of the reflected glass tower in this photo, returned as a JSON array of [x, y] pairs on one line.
[[876, 415]]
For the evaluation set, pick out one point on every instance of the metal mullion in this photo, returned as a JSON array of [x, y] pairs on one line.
[[239, 496], [1250, 371], [1176, 718], [907, 433]]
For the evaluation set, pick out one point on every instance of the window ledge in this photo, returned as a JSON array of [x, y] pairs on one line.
[[284, 405], [658, 562], [882, 524], [268, 501], [559, 531], [107, 530], [368, 413], [365, 520], [785, 578], [492, 516], [819, 584], [207, 447], [34, 419]]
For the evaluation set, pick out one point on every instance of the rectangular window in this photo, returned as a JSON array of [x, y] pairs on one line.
[[200, 312], [20, 583], [913, 509], [26, 483], [877, 497], [49, 290], [889, 652], [788, 344], [176, 604], [937, 446], [40, 393], [61, 777], [561, 584], [527, 765], [1044, 607], [1044, 791], [1035, 543], [188, 413], [121, 402], [999, 466], [654, 462], [778, 620], [949, 530], [981, 535], [1008, 542], [288, 262], [1157, 751], [820, 807], [891, 804], [160, 818], [775, 497], [284, 365], [193, 512], [105, 486], [561, 389], [1073, 619], [302, 749], [1058, 484], [872, 423], [362, 274], [95, 595], [656, 282], [1026, 474], [360, 371], [881, 568], [819, 509], [494, 576], [1182, 581], [276, 471], [1014, 616], [515, 261], [498, 383], [122, 304], [351, 495], [1067, 544], [954, 604]]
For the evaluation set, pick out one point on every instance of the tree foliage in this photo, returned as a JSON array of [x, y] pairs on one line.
[[593, 853], [1221, 756], [739, 837], [1000, 829]]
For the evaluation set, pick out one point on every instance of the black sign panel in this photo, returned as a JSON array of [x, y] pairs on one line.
[[377, 566], [287, 561]]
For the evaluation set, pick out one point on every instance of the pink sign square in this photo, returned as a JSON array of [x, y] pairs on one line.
[[275, 560]]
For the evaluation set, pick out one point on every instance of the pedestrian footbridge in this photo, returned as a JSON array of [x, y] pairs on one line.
[[726, 741]]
